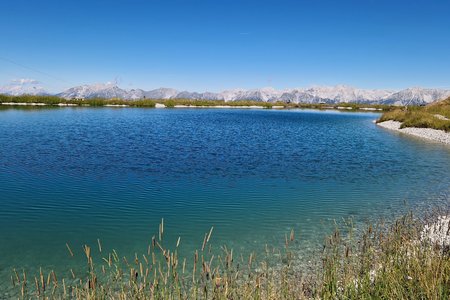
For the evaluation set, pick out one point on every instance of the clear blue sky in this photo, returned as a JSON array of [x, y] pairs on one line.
[[215, 45]]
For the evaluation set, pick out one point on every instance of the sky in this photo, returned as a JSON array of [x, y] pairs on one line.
[[225, 44]]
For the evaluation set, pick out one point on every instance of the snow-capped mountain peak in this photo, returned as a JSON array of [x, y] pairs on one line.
[[23, 87], [99, 90], [416, 96], [314, 94]]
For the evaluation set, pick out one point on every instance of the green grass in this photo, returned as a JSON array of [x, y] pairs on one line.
[[422, 117], [98, 102], [382, 262], [30, 99]]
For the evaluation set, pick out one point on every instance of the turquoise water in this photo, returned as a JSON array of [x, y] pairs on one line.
[[77, 174]]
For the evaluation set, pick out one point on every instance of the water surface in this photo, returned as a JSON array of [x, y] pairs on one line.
[[77, 174]]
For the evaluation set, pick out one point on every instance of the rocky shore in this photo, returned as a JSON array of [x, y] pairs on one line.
[[426, 133], [438, 233]]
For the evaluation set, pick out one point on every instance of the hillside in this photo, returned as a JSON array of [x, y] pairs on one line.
[[435, 115]]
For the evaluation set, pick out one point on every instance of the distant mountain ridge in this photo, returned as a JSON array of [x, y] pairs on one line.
[[315, 94], [22, 89]]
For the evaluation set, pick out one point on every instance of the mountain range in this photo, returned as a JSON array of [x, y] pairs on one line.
[[316, 94]]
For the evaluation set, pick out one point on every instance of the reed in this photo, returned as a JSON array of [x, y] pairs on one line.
[[384, 261]]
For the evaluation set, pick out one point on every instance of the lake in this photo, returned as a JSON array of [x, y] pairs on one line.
[[73, 175]]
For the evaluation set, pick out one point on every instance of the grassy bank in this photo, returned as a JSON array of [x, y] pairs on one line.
[[435, 115], [54, 101], [384, 262]]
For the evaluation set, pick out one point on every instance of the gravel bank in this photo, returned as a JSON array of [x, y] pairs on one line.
[[426, 133]]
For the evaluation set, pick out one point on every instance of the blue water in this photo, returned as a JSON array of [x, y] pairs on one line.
[[77, 174]]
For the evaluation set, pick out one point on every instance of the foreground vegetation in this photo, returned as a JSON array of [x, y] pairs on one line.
[[384, 262], [55, 101], [435, 115]]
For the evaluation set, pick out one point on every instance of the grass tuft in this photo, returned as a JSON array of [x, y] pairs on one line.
[[435, 115], [383, 262]]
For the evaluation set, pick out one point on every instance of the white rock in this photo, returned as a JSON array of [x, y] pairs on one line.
[[72, 104], [441, 117], [426, 133], [438, 232]]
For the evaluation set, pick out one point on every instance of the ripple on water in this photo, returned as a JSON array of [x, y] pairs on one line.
[[74, 175]]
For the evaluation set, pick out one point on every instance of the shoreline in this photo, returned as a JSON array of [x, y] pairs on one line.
[[192, 106], [430, 134]]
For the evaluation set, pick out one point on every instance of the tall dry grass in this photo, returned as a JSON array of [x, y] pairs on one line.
[[384, 262]]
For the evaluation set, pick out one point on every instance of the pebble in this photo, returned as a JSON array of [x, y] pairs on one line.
[[426, 133]]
